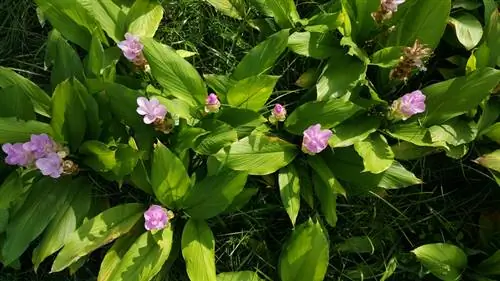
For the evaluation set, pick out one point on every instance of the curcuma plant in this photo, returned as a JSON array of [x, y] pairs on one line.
[[127, 112]]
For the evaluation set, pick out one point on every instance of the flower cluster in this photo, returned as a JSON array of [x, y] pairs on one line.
[[413, 58], [157, 217], [278, 114], [41, 152], [408, 105], [154, 113], [386, 9], [132, 49], [315, 140]]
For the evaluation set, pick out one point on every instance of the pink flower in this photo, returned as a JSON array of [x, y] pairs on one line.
[[155, 217], [278, 113], [17, 154], [212, 103], [40, 145], [315, 140], [51, 165], [408, 105], [131, 47], [391, 5], [151, 109]]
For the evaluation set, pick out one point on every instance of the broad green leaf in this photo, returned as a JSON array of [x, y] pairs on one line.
[[244, 121], [444, 261], [214, 194], [413, 133], [306, 184], [289, 183], [68, 114], [493, 132], [424, 20], [455, 132], [321, 168], [232, 8], [169, 178], [238, 276], [15, 130], [140, 178], [468, 29], [34, 216], [252, 92], [241, 199], [41, 101], [12, 189], [490, 266], [177, 76], [451, 98], [489, 115], [387, 57], [15, 103], [126, 160], [65, 222], [376, 153], [352, 130], [97, 232], [324, 22], [263, 57], [219, 135], [408, 151], [123, 103], [108, 14], [305, 255], [490, 160], [91, 108], [65, 62], [145, 257], [492, 36], [257, 154], [341, 74], [100, 157], [489, 7], [284, 12], [359, 15], [114, 256], [356, 244], [466, 4], [354, 50], [198, 251], [348, 166], [327, 113], [144, 17], [95, 61], [312, 44], [220, 84], [327, 198]]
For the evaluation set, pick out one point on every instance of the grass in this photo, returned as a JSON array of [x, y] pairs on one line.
[[447, 208]]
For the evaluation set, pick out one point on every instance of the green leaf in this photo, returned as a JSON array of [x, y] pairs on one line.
[[493, 132], [252, 92], [144, 17], [356, 244], [390, 269], [68, 113], [11, 190], [214, 194], [97, 232], [327, 113], [323, 171], [232, 8], [451, 98], [108, 14], [468, 29], [376, 153], [238, 276], [490, 160], [220, 84], [95, 61], [353, 130], [359, 15], [198, 251], [289, 184], [15, 103], [424, 20], [41, 101], [34, 216], [348, 166], [257, 154], [408, 151], [145, 257], [387, 57], [263, 57], [64, 59], [14, 130], [100, 157], [444, 261], [244, 121], [324, 22], [305, 254], [455, 132], [340, 75], [489, 7], [312, 44], [284, 12], [490, 266], [68, 218], [114, 256], [220, 135], [177, 76], [413, 133], [327, 198], [169, 178]]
